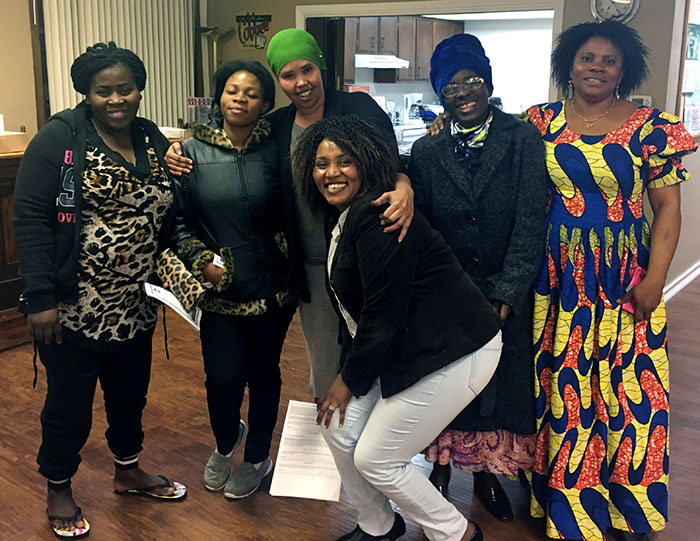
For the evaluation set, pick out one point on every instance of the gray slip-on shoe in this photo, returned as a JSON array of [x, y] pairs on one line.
[[247, 479], [218, 469]]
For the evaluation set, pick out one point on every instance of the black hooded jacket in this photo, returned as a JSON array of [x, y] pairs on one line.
[[48, 203]]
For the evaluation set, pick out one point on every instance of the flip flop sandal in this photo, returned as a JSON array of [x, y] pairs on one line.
[[178, 494], [76, 533]]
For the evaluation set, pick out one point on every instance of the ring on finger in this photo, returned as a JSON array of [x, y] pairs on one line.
[[331, 407]]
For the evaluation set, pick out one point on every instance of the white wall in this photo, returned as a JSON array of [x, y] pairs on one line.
[[395, 91], [686, 262], [17, 101], [519, 52]]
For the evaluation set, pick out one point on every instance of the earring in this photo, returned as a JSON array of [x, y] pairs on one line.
[[617, 92], [570, 90]]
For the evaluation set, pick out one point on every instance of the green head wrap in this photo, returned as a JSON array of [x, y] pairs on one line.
[[293, 44]]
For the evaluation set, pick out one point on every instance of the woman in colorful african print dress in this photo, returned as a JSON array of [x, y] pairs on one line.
[[601, 365]]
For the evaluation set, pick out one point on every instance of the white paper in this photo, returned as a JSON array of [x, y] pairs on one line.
[[166, 297], [690, 76], [305, 467]]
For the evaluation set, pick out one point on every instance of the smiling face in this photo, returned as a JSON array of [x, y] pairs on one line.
[[597, 69], [113, 98], [301, 81], [336, 174], [242, 102], [468, 107]]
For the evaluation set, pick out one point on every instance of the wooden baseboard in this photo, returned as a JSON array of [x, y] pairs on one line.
[[675, 287], [13, 329]]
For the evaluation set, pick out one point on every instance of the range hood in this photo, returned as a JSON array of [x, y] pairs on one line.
[[380, 61]]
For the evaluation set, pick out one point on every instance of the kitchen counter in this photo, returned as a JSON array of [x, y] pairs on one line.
[[12, 144], [407, 134]]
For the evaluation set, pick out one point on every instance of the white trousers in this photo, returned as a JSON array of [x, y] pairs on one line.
[[374, 448]]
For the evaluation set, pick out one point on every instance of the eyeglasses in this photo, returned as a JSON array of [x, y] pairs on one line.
[[473, 83]]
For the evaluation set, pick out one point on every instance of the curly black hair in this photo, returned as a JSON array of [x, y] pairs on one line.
[[102, 56], [251, 66], [625, 39], [376, 163]]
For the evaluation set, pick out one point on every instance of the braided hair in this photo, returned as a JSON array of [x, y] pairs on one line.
[[103, 56], [376, 162]]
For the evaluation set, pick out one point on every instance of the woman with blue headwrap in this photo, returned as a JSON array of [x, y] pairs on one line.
[[481, 182]]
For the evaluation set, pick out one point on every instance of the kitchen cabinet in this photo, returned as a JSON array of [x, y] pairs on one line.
[[424, 48], [409, 38], [406, 48], [367, 32], [12, 324], [443, 29], [377, 35], [388, 35], [349, 47]]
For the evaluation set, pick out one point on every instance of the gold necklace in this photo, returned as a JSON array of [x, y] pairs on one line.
[[589, 123]]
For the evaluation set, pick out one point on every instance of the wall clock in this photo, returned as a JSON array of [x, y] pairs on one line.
[[614, 10]]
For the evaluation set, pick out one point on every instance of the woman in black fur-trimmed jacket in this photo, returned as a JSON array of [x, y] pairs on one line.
[[233, 232]]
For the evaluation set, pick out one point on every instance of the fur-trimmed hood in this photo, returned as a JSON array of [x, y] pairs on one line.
[[214, 133]]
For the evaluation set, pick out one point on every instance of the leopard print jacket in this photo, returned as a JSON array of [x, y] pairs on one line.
[[120, 217]]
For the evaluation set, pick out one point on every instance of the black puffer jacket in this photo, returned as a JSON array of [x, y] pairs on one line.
[[233, 205]]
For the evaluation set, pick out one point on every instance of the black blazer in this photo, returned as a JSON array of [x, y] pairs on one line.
[[416, 309], [336, 103]]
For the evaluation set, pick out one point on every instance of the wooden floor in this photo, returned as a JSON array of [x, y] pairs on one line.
[[178, 442]]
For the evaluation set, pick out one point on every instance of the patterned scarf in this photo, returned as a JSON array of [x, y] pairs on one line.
[[468, 140]]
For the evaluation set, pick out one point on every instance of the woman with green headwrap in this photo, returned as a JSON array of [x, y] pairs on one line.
[[296, 60]]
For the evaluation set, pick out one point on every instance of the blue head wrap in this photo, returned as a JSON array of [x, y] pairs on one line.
[[461, 51]]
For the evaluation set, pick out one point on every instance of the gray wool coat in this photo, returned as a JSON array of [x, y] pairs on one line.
[[494, 222]]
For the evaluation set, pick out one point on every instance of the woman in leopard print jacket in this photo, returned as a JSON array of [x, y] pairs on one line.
[[93, 198]]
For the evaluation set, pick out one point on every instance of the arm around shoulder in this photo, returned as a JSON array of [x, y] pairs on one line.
[[420, 179]]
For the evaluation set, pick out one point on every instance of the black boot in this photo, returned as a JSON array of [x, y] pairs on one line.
[[490, 493], [440, 477], [477, 535], [620, 535], [397, 530]]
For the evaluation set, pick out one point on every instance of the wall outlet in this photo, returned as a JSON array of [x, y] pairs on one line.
[[641, 100]]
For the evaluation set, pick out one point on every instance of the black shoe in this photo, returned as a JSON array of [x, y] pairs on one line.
[[440, 477], [397, 530], [620, 535], [490, 493], [477, 535]]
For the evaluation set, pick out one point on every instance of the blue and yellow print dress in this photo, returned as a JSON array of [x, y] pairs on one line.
[[601, 386]]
